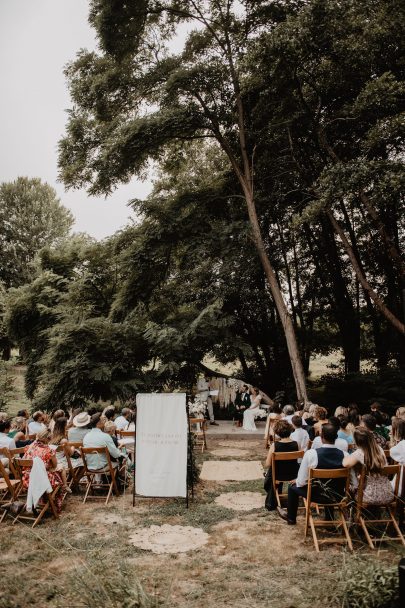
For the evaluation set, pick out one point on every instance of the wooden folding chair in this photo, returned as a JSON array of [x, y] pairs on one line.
[[269, 431], [24, 464], [7, 455], [109, 472], [197, 427], [362, 510], [279, 457], [75, 473], [339, 505], [9, 489]]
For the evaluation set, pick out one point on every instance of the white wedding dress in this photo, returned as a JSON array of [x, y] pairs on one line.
[[250, 414]]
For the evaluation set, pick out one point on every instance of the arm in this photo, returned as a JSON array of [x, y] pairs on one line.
[[351, 460], [310, 461], [269, 456], [114, 451]]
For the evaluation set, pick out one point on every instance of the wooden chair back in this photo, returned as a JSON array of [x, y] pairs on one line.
[[280, 457], [107, 470]]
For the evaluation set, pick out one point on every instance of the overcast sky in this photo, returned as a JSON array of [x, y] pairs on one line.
[[37, 38]]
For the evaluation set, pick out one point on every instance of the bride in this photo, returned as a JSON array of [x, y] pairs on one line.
[[249, 414]]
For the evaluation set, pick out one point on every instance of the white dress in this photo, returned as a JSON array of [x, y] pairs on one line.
[[250, 413]]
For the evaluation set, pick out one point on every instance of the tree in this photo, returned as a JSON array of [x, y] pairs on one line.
[[197, 94], [31, 216]]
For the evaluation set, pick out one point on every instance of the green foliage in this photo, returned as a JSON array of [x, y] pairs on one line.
[[31, 216], [367, 584], [6, 386]]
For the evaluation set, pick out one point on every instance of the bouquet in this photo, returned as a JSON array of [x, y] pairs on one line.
[[261, 413], [197, 408]]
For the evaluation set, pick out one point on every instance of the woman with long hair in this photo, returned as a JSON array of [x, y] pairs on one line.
[[59, 438], [369, 458], [40, 448], [249, 414]]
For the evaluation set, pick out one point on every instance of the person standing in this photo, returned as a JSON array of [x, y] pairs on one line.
[[203, 393]]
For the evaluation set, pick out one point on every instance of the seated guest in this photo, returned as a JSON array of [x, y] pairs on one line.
[[400, 413], [37, 425], [96, 438], [286, 471], [122, 420], [341, 411], [341, 444], [109, 413], [397, 451], [288, 412], [58, 438], [370, 455], [17, 432], [369, 422], [321, 418], [343, 432], [299, 435], [80, 427], [40, 448], [110, 428], [5, 440], [377, 411], [57, 414], [354, 419], [325, 457]]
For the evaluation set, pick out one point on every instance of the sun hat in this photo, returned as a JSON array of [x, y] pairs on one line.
[[81, 419]]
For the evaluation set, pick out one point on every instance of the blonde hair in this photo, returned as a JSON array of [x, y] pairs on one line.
[[18, 423], [44, 436], [109, 427], [374, 457], [398, 430], [400, 413], [341, 410]]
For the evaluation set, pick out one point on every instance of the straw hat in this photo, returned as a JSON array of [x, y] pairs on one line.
[[81, 419]]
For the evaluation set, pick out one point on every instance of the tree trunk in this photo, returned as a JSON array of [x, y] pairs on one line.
[[286, 321], [362, 279]]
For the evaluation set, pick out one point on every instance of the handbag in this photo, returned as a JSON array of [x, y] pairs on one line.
[[378, 490]]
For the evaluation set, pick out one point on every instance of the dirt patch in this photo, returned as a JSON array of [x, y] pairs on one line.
[[231, 470], [241, 501], [169, 539]]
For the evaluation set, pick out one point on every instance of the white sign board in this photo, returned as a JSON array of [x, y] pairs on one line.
[[161, 445]]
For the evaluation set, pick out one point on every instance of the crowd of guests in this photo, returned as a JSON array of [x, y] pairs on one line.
[[345, 439], [42, 435]]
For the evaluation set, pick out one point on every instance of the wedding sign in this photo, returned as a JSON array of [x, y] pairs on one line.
[[161, 445]]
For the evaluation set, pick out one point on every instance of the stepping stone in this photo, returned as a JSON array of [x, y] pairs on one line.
[[229, 452], [241, 501], [231, 470], [241, 444], [169, 539]]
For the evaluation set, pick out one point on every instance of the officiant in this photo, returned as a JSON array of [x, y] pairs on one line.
[[203, 392]]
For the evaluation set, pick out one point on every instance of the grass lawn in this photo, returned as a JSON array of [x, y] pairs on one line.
[[252, 559]]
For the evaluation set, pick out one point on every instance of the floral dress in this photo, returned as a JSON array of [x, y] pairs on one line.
[[45, 453]]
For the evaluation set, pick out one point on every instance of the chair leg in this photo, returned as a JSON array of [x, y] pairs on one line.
[[307, 516], [346, 529], [89, 482], [367, 535], [41, 514], [395, 524], [314, 536], [109, 493]]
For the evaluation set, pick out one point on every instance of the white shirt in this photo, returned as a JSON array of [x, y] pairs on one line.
[[301, 437], [310, 461], [341, 444], [397, 453], [7, 442], [120, 423], [96, 438], [35, 427], [203, 387]]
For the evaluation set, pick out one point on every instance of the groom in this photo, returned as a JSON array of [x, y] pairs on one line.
[[203, 391]]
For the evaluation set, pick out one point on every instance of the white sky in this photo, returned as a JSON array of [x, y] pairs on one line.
[[37, 38]]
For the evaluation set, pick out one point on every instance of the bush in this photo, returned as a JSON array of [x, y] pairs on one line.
[[369, 584], [6, 386]]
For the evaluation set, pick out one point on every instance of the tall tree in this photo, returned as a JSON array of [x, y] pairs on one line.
[[196, 94], [31, 216]]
